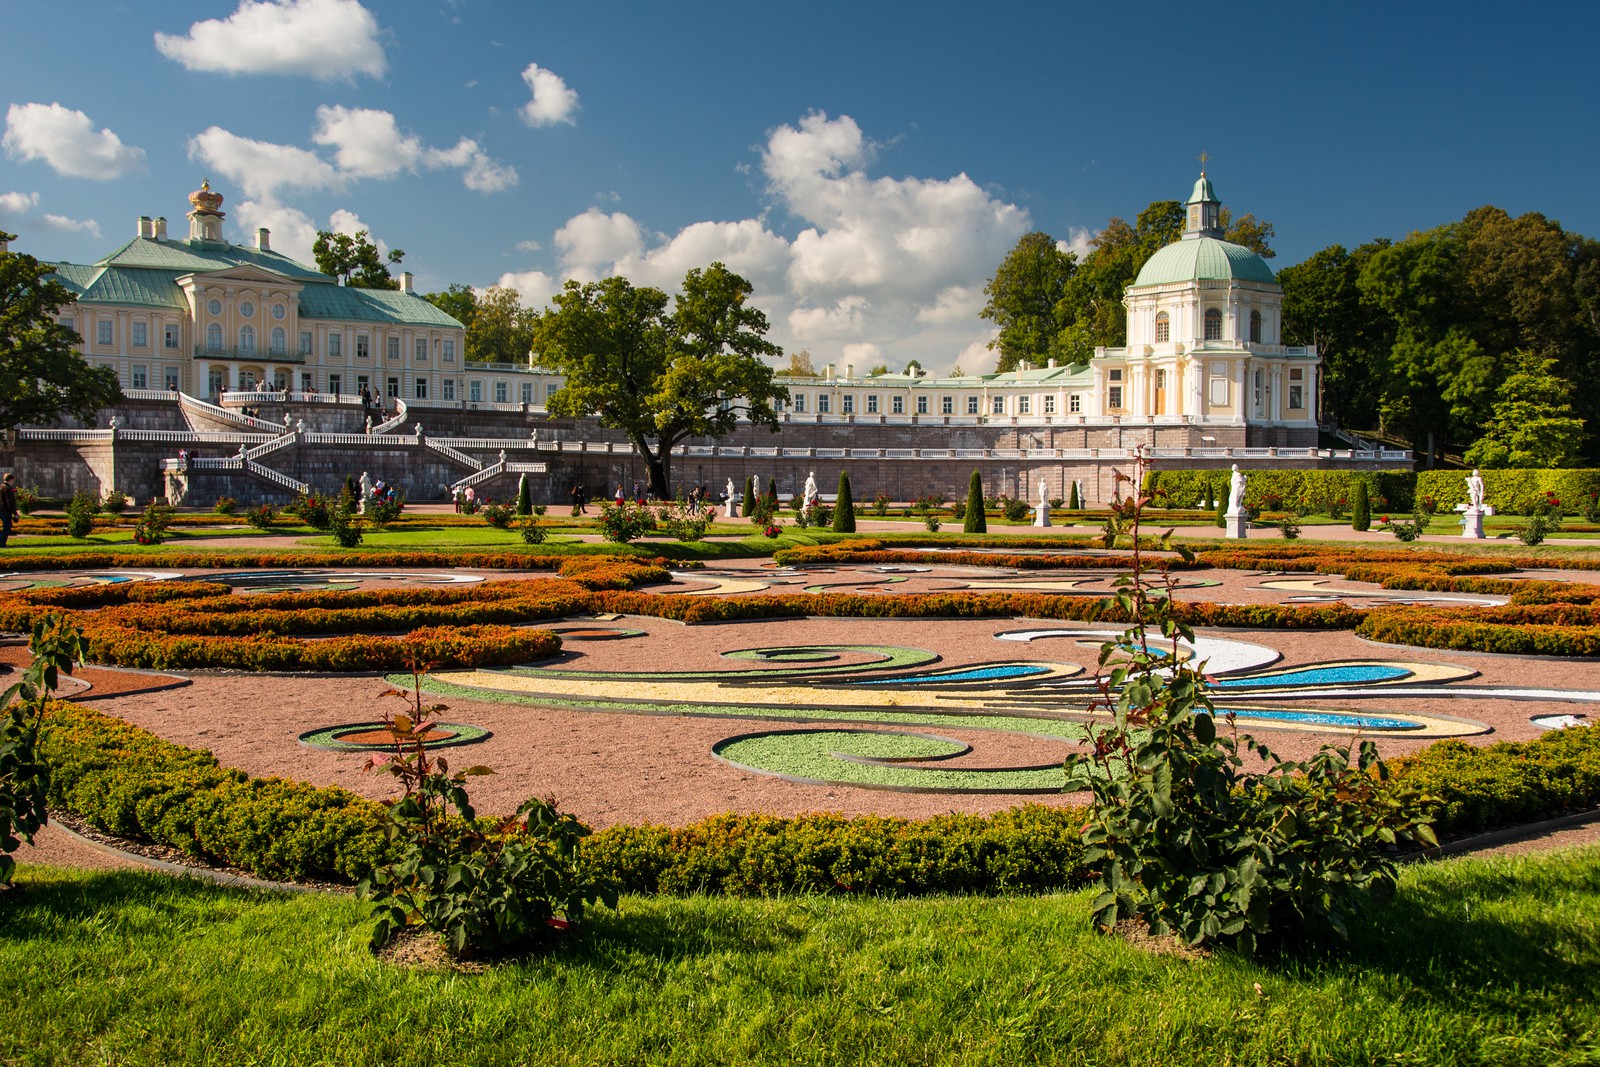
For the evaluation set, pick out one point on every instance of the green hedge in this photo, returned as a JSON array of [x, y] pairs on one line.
[[129, 782], [1313, 490], [1511, 491]]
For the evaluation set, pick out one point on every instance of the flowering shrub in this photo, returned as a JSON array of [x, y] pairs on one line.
[[261, 516], [624, 522], [151, 529], [497, 514], [115, 502], [225, 505]]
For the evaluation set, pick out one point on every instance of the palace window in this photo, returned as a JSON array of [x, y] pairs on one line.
[[1255, 327], [1114, 397], [1297, 396], [422, 350], [280, 341], [335, 345], [247, 339], [172, 378], [422, 388], [1115, 374], [500, 394], [140, 378], [947, 405], [103, 332], [308, 384], [213, 338], [449, 388], [363, 346], [1213, 325], [247, 309], [141, 335], [823, 400], [800, 403], [872, 403], [1074, 404], [449, 351], [922, 405], [849, 407], [170, 332], [897, 405], [305, 342], [1024, 405], [972, 405], [335, 383], [475, 391], [999, 406], [1050, 404], [1163, 328], [394, 348]]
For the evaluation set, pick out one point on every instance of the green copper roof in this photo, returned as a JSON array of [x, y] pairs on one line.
[[189, 256], [370, 305], [114, 285], [1197, 258], [1203, 193]]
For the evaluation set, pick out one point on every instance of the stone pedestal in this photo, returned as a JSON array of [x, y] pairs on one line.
[[732, 509], [1041, 515], [1238, 525], [1472, 524]]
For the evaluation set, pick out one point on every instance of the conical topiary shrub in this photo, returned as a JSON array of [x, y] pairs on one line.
[[844, 509], [1360, 507], [1073, 502], [1222, 514], [524, 497], [975, 521], [748, 501]]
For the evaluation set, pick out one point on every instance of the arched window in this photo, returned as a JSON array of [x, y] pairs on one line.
[[1213, 325], [247, 339], [280, 341], [213, 338], [1255, 326], [1163, 328]]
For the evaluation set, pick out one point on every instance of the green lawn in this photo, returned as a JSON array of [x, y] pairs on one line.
[[1477, 962]]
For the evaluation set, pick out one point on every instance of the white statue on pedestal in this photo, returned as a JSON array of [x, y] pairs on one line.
[[809, 494], [731, 508], [1475, 489], [366, 491], [1041, 514], [1236, 483], [1044, 499]]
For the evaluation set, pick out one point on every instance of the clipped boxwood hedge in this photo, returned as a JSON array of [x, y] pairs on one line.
[[1511, 491], [126, 781], [1314, 489]]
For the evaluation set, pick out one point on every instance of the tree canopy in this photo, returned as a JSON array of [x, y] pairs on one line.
[[661, 376], [1430, 338], [1049, 304], [355, 260], [41, 373]]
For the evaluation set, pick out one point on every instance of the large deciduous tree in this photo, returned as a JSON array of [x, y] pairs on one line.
[[460, 302], [661, 376], [41, 373], [355, 260], [502, 329], [1532, 424], [1023, 295]]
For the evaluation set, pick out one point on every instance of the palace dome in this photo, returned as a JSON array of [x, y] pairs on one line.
[[1204, 258]]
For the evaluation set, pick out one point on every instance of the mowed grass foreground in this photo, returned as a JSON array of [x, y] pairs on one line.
[[1493, 961]]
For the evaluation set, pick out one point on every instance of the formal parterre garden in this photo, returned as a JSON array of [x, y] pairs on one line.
[[858, 701]]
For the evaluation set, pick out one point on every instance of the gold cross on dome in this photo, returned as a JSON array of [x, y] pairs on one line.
[[1203, 157]]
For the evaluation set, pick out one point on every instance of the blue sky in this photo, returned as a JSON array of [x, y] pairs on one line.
[[867, 166]]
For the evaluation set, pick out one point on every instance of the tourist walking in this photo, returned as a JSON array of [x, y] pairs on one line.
[[578, 499], [8, 508]]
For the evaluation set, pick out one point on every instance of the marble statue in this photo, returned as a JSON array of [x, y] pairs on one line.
[[809, 495], [1475, 489], [1044, 494], [502, 457], [299, 425], [731, 503], [1236, 482], [419, 429], [369, 424], [366, 490]]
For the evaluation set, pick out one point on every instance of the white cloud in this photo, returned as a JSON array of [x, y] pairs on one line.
[[262, 168], [366, 144], [884, 269], [865, 355], [529, 246], [534, 287], [593, 243], [321, 38], [67, 141], [22, 211], [552, 101], [293, 232], [1078, 242]]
